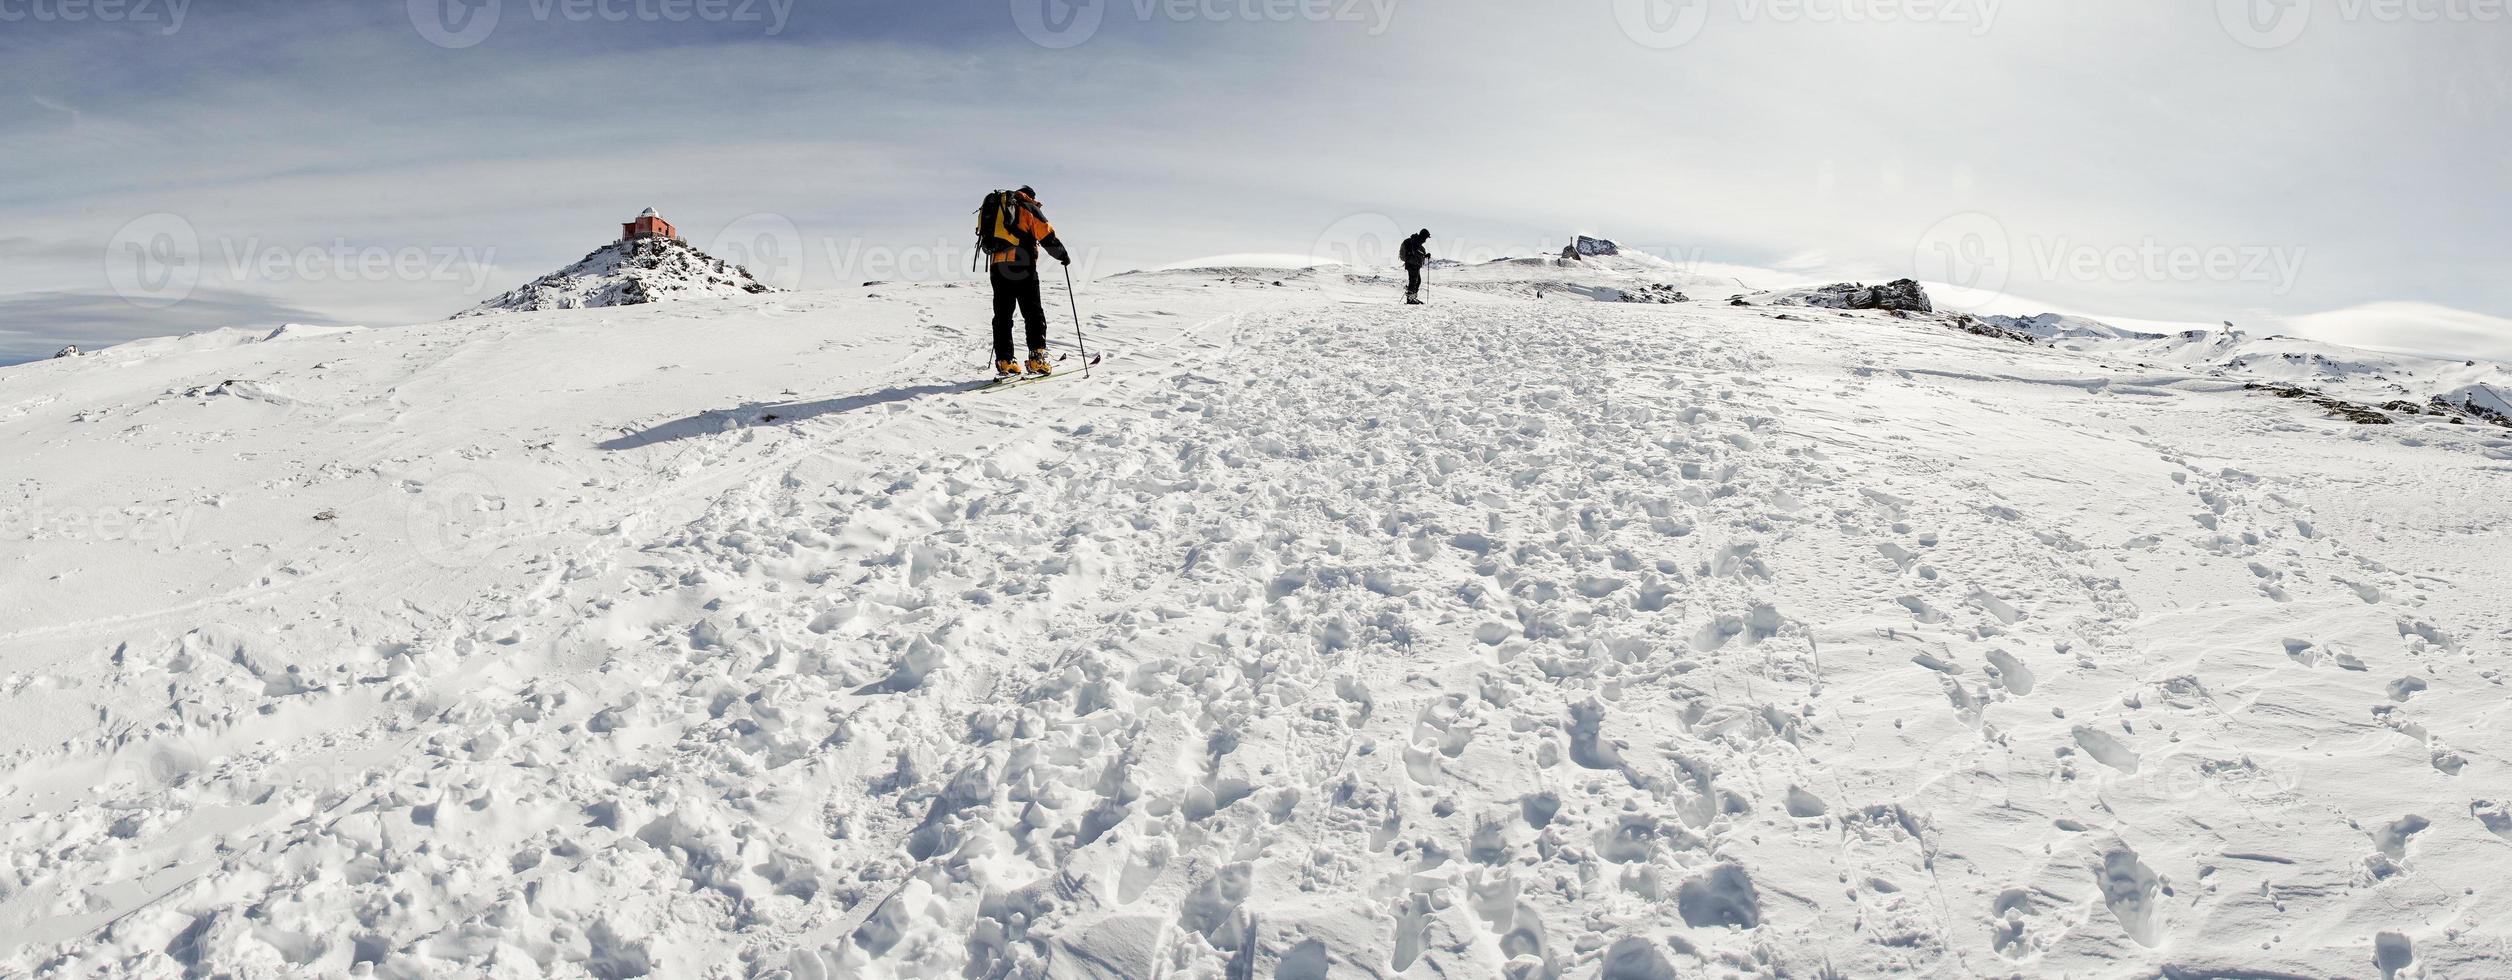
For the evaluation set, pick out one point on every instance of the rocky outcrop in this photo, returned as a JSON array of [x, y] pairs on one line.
[[1586, 247], [1900, 294], [1654, 293]]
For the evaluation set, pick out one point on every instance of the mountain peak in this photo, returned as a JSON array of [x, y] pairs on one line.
[[629, 272]]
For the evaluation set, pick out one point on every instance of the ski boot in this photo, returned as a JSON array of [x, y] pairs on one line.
[[1006, 370], [1038, 365]]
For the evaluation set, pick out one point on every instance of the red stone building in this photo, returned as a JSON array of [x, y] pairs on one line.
[[648, 225]]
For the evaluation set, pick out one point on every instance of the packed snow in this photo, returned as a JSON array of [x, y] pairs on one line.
[[1310, 636]]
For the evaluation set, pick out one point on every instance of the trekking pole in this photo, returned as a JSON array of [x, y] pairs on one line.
[[1076, 304]]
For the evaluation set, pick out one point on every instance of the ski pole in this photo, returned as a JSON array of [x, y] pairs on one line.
[[1076, 304]]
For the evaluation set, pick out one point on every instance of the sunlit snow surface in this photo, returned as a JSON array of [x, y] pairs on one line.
[[1312, 635]]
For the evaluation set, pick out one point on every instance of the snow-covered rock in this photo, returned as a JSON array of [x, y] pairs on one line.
[[70, 351], [2492, 402], [1586, 247], [629, 273], [1901, 294]]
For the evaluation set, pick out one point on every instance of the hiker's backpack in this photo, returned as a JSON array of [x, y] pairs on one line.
[[998, 224], [1416, 251]]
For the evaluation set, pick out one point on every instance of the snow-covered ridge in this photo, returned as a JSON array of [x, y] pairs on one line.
[[630, 272]]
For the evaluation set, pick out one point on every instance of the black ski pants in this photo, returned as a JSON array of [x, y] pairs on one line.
[[1412, 281], [1016, 284]]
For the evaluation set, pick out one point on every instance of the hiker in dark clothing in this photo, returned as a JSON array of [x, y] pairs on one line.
[[1416, 254], [1015, 229]]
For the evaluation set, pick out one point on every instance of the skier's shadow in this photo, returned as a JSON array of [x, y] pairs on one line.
[[723, 420]]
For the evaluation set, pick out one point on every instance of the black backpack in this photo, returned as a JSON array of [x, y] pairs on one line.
[[998, 224]]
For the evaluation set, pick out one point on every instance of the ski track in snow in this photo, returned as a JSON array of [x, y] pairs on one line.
[[1306, 639]]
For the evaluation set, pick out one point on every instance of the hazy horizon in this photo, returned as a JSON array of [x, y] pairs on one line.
[[2325, 169]]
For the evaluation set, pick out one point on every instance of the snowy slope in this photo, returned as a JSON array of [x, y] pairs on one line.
[[2351, 372], [629, 273], [2479, 391], [1312, 636]]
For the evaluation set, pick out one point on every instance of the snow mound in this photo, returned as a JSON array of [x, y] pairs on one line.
[[629, 273]]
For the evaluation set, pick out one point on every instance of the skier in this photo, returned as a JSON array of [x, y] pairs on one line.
[[1011, 229], [1416, 253]]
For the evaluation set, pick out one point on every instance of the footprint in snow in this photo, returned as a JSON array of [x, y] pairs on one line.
[[2107, 749]]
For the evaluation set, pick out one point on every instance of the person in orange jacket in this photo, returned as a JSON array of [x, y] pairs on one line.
[[1018, 230]]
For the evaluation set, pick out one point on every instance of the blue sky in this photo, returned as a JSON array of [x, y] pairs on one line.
[[183, 164]]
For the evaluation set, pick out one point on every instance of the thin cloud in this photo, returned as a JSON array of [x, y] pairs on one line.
[[1829, 148]]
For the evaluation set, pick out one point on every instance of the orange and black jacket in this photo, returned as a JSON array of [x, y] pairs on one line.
[[1026, 226]]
